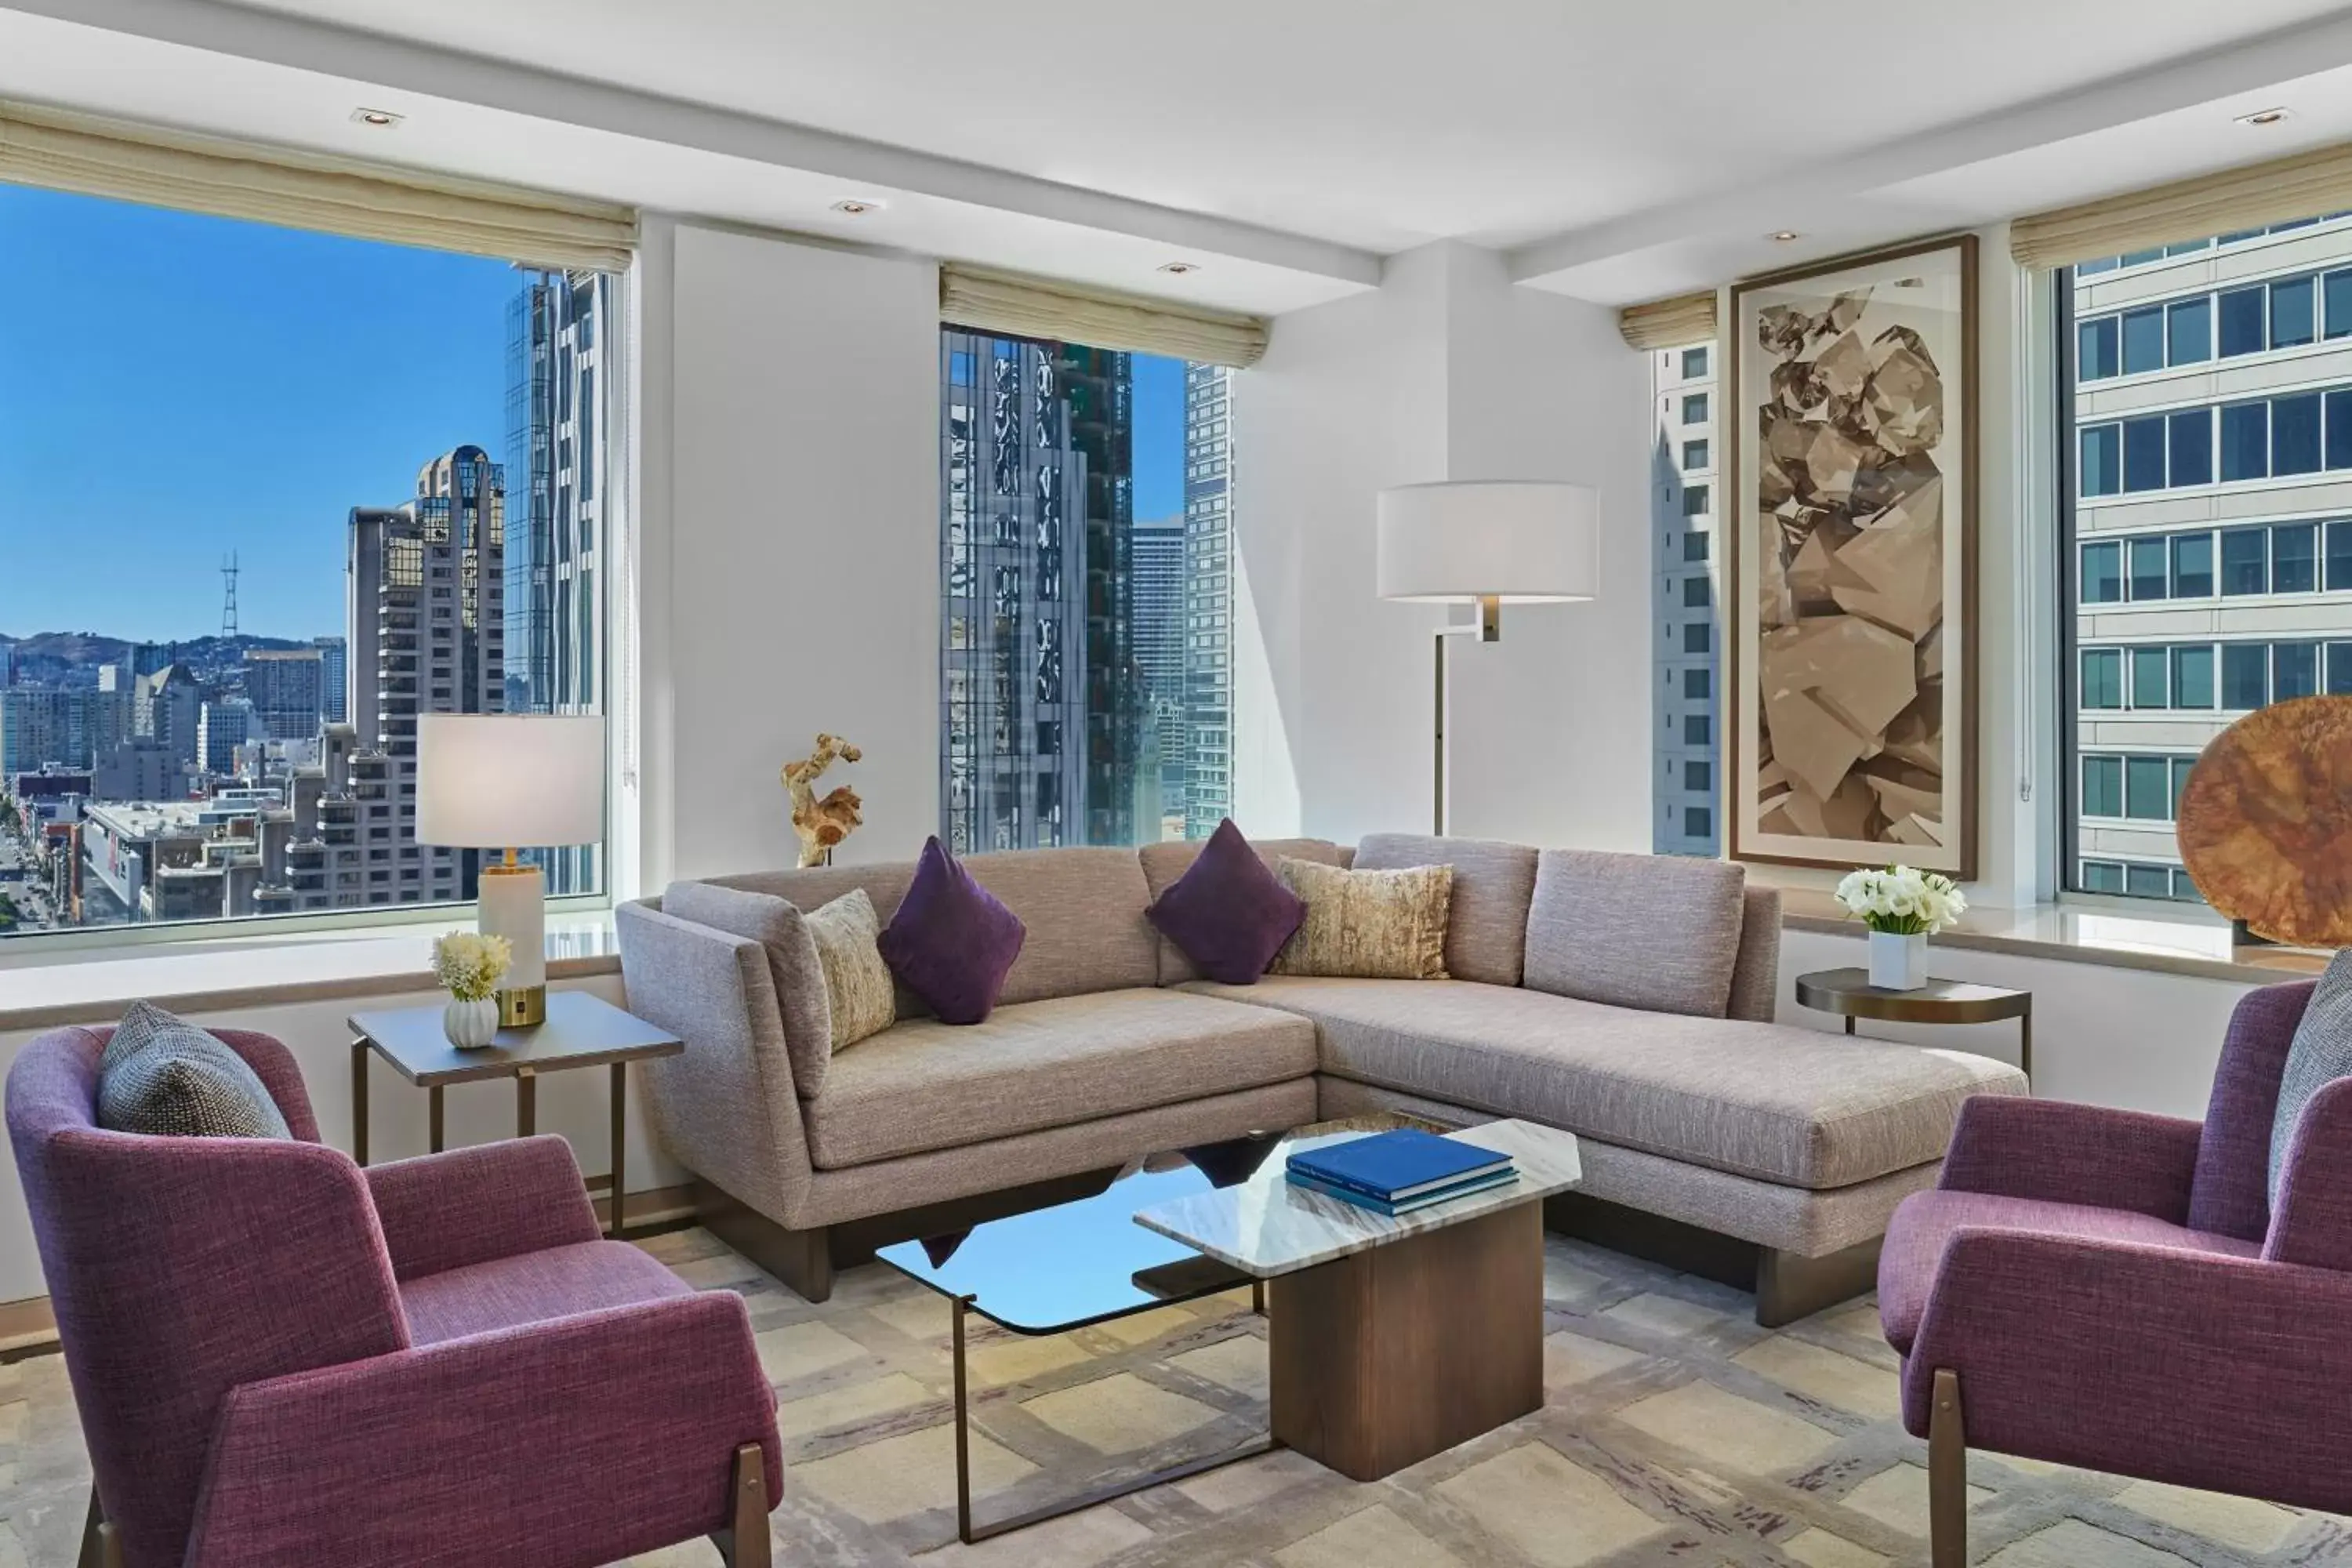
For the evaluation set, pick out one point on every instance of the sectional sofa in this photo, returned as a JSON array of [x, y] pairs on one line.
[[1714, 1138]]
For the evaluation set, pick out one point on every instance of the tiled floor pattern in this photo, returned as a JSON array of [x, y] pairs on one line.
[[1676, 1434]]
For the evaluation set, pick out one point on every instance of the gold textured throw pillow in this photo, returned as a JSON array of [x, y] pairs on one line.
[[1368, 925], [857, 984]]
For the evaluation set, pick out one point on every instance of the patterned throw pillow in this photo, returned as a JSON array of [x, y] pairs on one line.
[[1368, 925], [2320, 1053], [162, 1076], [848, 935]]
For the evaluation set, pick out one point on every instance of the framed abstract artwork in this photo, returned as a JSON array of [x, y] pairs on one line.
[[1850, 562]]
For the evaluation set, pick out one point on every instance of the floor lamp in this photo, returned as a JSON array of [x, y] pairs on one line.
[[1487, 543]]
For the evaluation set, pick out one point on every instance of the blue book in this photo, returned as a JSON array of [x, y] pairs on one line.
[[1397, 1164], [1445, 1194]]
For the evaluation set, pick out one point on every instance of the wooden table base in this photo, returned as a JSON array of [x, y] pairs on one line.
[[1385, 1357]]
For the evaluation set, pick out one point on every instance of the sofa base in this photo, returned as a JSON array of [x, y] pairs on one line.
[[804, 1261], [1788, 1285]]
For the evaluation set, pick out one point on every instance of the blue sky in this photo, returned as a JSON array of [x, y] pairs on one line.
[[175, 387]]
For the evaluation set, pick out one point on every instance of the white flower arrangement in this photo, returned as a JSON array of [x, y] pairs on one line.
[[469, 966], [1901, 900]]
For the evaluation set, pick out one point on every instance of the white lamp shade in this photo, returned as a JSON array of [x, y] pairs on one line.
[[497, 781], [1519, 541]]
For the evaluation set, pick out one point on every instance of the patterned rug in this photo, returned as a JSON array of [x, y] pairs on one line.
[[1675, 1432]]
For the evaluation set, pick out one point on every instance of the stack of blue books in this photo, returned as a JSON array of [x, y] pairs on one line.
[[1398, 1172]]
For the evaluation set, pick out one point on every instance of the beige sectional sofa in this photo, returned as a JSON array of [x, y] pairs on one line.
[[1729, 1144]]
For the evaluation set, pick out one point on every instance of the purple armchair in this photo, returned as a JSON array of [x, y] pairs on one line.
[[280, 1358], [2112, 1289]]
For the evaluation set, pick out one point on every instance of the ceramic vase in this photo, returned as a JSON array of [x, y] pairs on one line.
[[1897, 962], [470, 1026]]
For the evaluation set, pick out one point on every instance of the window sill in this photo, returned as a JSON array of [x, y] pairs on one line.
[[93, 986], [2159, 942]]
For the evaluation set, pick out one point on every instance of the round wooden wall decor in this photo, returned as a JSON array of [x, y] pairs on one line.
[[2266, 821]]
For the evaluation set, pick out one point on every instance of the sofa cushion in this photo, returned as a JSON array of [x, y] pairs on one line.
[[803, 1000], [1799, 1106], [1494, 882], [1229, 912], [2320, 1053], [1656, 932], [924, 1085], [162, 1076], [1163, 863], [952, 940], [1386, 925], [1926, 1221], [859, 990]]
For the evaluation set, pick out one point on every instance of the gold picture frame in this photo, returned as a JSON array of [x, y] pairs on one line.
[[1850, 719]]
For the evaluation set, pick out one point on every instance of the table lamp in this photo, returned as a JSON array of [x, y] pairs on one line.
[[1489, 544], [499, 781]]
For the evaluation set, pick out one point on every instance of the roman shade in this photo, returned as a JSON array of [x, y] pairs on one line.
[[97, 157], [1669, 323], [1026, 306], [2307, 184]]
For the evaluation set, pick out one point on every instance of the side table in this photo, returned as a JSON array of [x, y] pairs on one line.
[[581, 1031], [1849, 991]]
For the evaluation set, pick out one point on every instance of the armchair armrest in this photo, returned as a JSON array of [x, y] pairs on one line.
[[588, 1438], [471, 1205], [2060, 1151], [2198, 1369], [2312, 1224]]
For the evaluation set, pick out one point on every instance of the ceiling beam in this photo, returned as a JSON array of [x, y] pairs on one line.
[[1796, 200], [302, 43]]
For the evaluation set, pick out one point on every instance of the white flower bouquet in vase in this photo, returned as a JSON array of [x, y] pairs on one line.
[[469, 967], [1902, 908]]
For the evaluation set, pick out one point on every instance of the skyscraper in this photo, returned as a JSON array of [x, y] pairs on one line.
[[1040, 702], [424, 594], [287, 689], [334, 680], [1686, 787], [1208, 598], [1156, 549], [558, 327]]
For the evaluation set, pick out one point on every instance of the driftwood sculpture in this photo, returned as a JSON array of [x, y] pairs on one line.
[[825, 822]]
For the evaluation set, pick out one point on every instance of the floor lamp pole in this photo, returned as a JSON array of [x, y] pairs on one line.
[[1488, 628]]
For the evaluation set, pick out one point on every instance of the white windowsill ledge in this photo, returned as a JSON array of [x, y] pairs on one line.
[[92, 986]]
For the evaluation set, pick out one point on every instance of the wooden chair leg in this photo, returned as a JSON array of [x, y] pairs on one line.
[[100, 1546], [744, 1542], [1948, 1474]]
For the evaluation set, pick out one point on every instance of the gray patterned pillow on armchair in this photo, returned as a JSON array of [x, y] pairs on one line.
[[162, 1076]]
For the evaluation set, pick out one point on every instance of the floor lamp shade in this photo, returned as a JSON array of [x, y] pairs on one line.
[[1515, 542], [510, 781]]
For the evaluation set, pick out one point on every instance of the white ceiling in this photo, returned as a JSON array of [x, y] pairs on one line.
[[1619, 151]]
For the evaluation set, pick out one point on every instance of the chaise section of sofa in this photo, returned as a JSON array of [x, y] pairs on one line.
[[1713, 1138]]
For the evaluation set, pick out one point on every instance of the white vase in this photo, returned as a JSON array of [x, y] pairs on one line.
[[1897, 962], [470, 1026]]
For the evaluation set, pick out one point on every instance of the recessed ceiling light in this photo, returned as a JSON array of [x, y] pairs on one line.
[[1178, 268], [2266, 117], [1784, 236], [854, 206], [381, 119]]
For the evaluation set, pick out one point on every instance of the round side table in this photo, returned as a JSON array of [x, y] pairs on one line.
[[1849, 993]]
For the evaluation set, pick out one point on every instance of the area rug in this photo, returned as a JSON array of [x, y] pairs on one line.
[[1675, 1434]]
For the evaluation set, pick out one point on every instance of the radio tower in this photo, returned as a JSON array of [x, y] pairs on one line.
[[228, 596]]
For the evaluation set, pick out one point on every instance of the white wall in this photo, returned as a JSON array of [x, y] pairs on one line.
[[1448, 371], [802, 543]]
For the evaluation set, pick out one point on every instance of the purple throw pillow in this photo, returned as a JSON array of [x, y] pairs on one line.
[[951, 943], [1228, 913]]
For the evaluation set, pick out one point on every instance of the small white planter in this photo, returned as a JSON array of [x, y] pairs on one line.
[[1897, 962], [470, 1026]]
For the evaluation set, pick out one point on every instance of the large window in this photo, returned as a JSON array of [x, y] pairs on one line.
[[2182, 628], [1086, 595], [270, 496]]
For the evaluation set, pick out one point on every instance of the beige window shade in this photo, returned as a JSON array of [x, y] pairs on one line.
[[2305, 186], [131, 163], [1669, 323], [1069, 312]]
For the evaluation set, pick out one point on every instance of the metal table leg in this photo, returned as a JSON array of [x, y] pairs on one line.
[[962, 1431], [2025, 1043], [525, 1102], [359, 1101], [620, 1147], [435, 1119]]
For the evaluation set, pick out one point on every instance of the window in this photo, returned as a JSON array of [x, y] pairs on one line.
[[2143, 454], [2149, 573], [2192, 675], [2339, 555], [2242, 329], [2294, 435], [2295, 670], [391, 494], [2192, 446], [1086, 689], [1697, 637], [2101, 877], [1695, 408], [2148, 789], [2337, 290], [2147, 881], [2150, 678], [2246, 561], [1694, 453], [1694, 501], [2291, 320], [2193, 566], [1694, 362], [1694, 546], [2103, 677], [2189, 327], [2102, 459], [2245, 441], [2339, 668], [2245, 675], [1698, 776], [1696, 593], [2294, 558], [2103, 787], [2097, 353], [2103, 574], [2143, 340]]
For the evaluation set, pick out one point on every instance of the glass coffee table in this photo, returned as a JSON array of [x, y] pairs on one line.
[[1389, 1338]]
